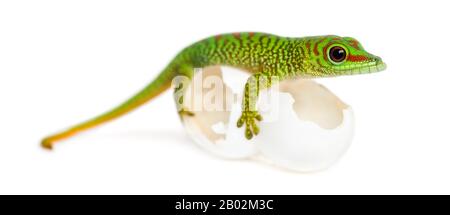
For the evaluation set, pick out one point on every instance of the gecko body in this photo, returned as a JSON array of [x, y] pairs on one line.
[[263, 55]]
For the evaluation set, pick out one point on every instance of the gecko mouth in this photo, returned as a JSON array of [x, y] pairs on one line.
[[370, 67]]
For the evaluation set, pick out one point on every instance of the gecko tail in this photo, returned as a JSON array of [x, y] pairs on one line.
[[156, 87]]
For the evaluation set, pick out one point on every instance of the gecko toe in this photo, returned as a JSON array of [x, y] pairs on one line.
[[248, 133], [255, 129]]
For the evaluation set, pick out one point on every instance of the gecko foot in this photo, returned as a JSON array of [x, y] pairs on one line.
[[249, 118]]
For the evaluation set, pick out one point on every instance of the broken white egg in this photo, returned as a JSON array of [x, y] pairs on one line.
[[305, 127]]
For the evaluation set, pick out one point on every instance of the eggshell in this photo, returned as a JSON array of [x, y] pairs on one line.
[[312, 130], [215, 131], [305, 127]]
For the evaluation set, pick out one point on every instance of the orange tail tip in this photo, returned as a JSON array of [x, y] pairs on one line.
[[47, 143]]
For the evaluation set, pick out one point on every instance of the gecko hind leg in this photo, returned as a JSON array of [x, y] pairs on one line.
[[181, 86], [186, 112], [179, 94]]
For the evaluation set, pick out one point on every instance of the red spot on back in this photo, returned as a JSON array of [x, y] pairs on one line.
[[251, 34], [236, 35]]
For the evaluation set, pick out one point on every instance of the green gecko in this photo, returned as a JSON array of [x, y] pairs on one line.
[[263, 55]]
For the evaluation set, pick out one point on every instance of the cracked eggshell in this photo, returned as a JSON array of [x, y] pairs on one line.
[[215, 131], [306, 128], [312, 129]]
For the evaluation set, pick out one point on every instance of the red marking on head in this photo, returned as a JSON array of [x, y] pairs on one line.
[[316, 52], [354, 44], [351, 58], [324, 51], [316, 46], [357, 58], [308, 47], [251, 34], [236, 35]]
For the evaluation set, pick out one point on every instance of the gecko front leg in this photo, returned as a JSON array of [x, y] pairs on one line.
[[250, 115]]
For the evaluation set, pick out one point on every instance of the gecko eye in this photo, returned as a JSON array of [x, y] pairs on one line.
[[337, 54]]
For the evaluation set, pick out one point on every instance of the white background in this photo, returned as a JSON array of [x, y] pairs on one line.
[[65, 61]]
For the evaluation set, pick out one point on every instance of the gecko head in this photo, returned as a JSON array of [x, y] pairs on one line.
[[335, 56]]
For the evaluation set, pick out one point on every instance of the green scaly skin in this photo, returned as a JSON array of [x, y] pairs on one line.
[[263, 55]]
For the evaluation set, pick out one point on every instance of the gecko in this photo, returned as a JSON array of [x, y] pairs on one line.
[[263, 55]]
